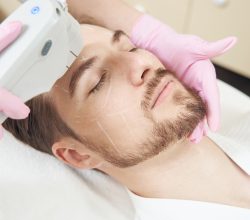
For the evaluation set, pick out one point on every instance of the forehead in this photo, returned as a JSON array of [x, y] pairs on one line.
[[95, 34], [96, 41], [94, 37]]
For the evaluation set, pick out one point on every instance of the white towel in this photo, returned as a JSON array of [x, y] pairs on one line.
[[34, 185]]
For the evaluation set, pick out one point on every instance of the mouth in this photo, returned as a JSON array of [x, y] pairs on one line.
[[162, 91]]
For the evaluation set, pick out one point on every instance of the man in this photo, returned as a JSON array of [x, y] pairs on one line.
[[119, 111], [186, 55]]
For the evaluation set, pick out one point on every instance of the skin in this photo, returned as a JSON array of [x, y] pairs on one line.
[[132, 76], [113, 121]]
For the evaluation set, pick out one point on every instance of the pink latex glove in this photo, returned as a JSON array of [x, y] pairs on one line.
[[188, 57], [10, 105]]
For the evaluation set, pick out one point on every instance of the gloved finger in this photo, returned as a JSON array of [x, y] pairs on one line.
[[210, 94], [12, 106], [8, 33], [204, 81], [212, 49], [197, 133]]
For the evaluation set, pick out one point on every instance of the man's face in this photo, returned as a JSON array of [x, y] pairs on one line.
[[122, 101]]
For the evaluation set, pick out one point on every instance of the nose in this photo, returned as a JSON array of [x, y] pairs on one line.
[[138, 68]]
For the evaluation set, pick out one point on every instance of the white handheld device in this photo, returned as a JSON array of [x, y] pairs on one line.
[[49, 43]]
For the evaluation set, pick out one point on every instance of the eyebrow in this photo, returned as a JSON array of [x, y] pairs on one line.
[[117, 36], [81, 69], [78, 72]]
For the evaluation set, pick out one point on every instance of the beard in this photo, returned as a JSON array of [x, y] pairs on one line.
[[192, 110]]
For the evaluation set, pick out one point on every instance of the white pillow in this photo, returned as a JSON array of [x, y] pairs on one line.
[[234, 104], [34, 185]]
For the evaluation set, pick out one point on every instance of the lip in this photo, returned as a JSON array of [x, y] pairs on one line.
[[161, 92]]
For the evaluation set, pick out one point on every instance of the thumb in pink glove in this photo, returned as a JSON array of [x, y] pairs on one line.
[[10, 105], [188, 57]]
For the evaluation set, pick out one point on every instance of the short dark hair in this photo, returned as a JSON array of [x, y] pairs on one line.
[[43, 127]]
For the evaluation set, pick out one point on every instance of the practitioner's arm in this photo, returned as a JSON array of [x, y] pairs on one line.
[[112, 14]]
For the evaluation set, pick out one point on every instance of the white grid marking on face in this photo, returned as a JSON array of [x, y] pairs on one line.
[[106, 134], [128, 128], [83, 58], [125, 110], [107, 96], [63, 89]]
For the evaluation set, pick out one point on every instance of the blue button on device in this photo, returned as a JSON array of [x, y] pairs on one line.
[[35, 10]]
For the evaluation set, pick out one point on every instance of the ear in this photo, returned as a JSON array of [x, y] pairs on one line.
[[75, 154]]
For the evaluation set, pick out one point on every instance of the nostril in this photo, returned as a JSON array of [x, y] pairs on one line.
[[144, 73]]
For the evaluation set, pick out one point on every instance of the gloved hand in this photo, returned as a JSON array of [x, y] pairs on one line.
[[10, 105], [187, 56]]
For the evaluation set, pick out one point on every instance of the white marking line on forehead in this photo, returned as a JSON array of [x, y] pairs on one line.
[[83, 58], [106, 134]]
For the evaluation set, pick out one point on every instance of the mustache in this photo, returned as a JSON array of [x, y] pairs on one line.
[[152, 85]]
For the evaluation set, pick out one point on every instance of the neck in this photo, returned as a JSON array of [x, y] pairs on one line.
[[167, 170], [173, 172], [183, 171]]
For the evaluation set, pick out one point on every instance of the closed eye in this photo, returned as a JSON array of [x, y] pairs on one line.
[[99, 85], [133, 49]]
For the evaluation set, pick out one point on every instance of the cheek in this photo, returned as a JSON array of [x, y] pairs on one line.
[[116, 119], [115, 99], [121, 131]]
